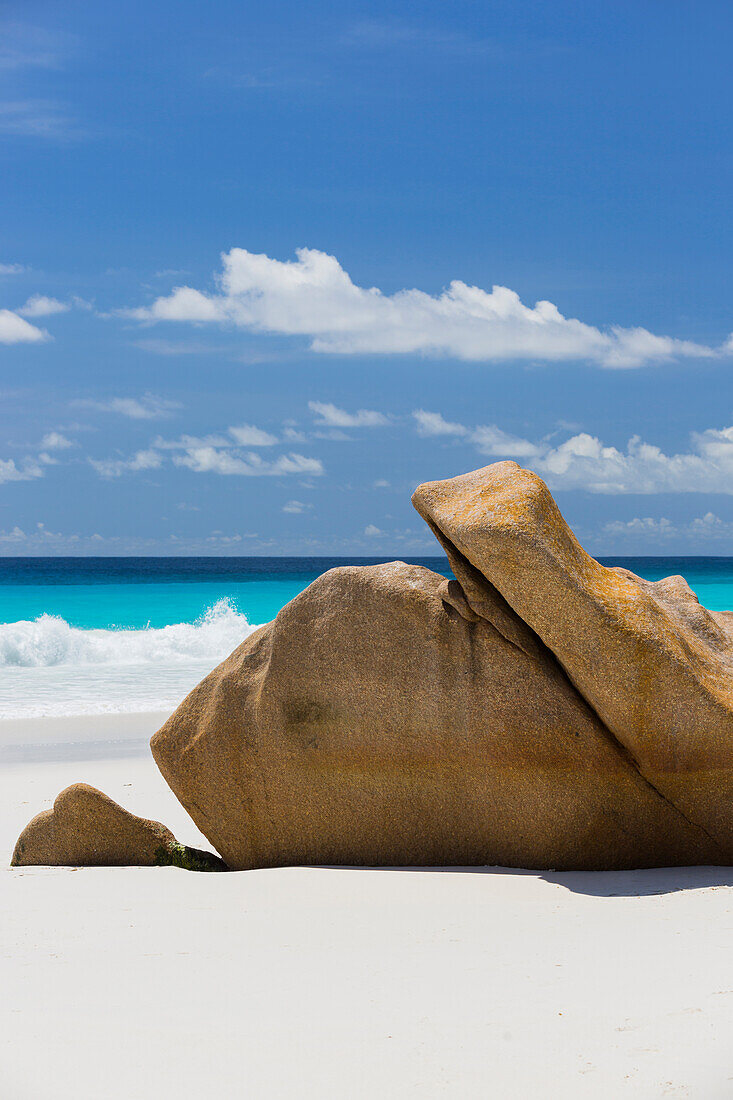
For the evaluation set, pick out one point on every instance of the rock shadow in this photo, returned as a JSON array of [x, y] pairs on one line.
[[640, 882]]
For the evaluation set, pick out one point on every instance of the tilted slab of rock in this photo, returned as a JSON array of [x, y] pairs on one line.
[[655, 666], [86, 828], [390, 717]]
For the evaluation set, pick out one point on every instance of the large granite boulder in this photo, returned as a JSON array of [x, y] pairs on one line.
[[86, 828], [655, 667], [513, 716], [539, 710]]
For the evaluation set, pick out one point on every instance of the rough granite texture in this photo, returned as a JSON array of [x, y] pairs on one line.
[[538, 711], [655, 666], [86, 828], [541, 711]]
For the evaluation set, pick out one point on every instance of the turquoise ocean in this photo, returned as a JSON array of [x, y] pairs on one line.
[[126, 635]]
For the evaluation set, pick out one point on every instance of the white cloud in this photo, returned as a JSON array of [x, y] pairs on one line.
[[491, 440], [224, 540], [331, 416], [147, 407], [658, 528], [115, 467], [40, 306], [14, 330], [296, 507], [223, 453], [55, 441], [26, 472], [372, 531], [212, 460], [314, 297], [584, 462], [246, 435], [170, 273], [708, 526], [294, 436], [11, 269], [14, 535], [186, 442], [432, 423], [182, 304]]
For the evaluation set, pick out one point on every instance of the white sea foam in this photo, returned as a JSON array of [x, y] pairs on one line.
[[50, 641], [48, 667]]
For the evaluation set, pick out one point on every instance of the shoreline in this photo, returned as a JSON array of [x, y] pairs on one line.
[[58, 738]]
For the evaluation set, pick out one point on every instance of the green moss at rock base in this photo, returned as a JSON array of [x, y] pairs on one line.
[[189, 859]]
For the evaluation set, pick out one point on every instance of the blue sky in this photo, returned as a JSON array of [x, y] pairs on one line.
[[264, 268]]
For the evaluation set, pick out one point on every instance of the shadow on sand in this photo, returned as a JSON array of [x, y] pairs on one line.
[[643, 882]]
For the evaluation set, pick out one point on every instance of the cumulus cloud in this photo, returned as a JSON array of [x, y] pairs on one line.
[[246, 435], [147, 407], [491, 440], [708, 526], [218, 453], [211, 460], [333, 417], [296, 507], [55, 441], [16, 330], [372, 531], [27, 471], [294, 436], [584, 462], [15, 534], [40, 306], [433, 423], [243, 435], [185, 442], [314, 297], [115, 467], [40, 539], [11, 269], [184, 304]]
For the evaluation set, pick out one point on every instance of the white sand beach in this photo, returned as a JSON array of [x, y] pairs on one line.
[[160, 984]]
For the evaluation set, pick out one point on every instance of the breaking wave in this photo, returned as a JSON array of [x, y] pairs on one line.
[[49, 642]]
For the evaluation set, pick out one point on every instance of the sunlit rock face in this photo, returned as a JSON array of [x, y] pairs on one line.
[[538, 711]]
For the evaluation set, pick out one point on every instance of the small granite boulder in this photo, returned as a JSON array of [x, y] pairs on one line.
[[86, 828]]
